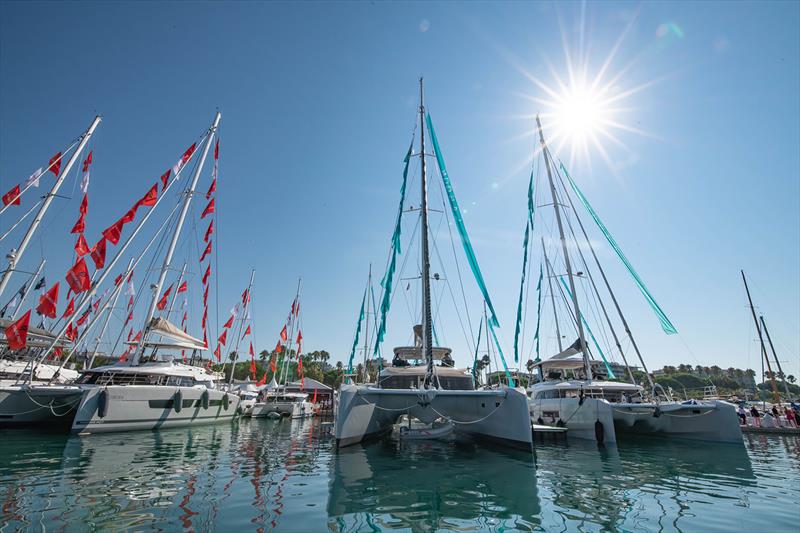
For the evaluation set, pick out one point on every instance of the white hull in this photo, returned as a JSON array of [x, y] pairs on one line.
[[141, 407], [262, 409], [247, 405], [580, 419], [500, 415], [25, 405], [712, 420]]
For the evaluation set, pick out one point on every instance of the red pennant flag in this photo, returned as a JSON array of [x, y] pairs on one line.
[[206, 275], [81, 247], [71, 332], [150, 198], [78, 277], [55, 164], [130, 215], [206, 251], [205, 318], [212, 188], [299, 337], [284, 335], [130, 334], [209, 209], [205, 296], [87, 161], [299, 365], [188, 153], [84, 207], [209, 231], [272, 365], [130, 317], [12, 196], [182, 288], [96, 305], [48, 302], [114, 232], [205, 339], [70, 309], [80, 225], [17, 332], [185, 318], [229, 323], [223, 338], [57, 352], [84, 317], [119, 278], [279, 347], [252, 352], [99, 257], [263, 380], [253, 368], [162, 302], [217, 353], [246, 332], [216, 150], [164, 178], [130, 302], [245, 296], [314, 400]]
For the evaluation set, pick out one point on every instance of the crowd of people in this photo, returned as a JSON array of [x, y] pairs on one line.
[[778, 416]]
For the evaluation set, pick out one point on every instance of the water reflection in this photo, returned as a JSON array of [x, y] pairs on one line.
[[427, 486], [287, 476]]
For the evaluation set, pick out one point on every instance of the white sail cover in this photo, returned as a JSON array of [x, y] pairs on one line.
[[162, 326]]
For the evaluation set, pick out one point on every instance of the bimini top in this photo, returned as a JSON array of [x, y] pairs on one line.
[[421, 370], [415, 352], [160, 368], [180, 340], [586, 385]]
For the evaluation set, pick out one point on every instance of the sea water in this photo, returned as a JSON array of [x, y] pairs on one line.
[[262, 475]]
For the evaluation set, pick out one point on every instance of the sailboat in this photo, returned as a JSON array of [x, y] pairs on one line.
[[273, 400], [33, 394], [421, 382], [582, 393], [149, 393]]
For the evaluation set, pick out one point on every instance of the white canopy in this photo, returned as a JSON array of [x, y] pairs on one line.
[[183, 341]]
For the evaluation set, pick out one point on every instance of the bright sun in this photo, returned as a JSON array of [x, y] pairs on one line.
[[579, 113]]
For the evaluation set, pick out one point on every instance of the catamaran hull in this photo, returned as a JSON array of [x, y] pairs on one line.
[[499, 415], [43, 405], [712, 420], [580, 419], [143, 407]]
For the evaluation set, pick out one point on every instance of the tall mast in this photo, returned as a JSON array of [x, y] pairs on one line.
[[174, 243], [761, 341], [15, 255], [290, 328], [427, 326], [245, 306], [552, 296], [775, 355], [557, 207]]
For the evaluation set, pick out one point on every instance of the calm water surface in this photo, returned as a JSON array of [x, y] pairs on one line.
[[287, 476]]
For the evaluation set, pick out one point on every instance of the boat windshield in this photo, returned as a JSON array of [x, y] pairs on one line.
[[137, 378]]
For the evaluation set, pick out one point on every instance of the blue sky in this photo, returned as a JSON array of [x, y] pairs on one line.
[[318, 103]]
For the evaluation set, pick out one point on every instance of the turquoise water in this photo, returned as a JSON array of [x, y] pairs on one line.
[[287, 476]]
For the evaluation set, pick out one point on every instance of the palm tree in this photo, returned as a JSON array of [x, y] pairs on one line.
[[233, 356], [264, 355]]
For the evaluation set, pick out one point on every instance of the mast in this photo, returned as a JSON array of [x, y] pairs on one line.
[[241, 323], [15, 255], [761, 340], [552, 296], [117, 292], [366, 320], [557, 207], [290, 329], [621, 315], [427, 326], [174, 243], [775, 355]]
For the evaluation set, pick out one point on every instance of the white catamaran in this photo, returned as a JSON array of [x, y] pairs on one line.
[[580, 393], [415, 385]]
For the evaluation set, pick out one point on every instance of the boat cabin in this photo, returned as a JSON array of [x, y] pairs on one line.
[[409, 368], [159, 373]]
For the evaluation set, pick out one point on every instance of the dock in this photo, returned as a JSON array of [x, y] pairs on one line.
[[540, 431]]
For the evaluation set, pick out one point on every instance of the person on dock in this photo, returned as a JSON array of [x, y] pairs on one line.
[[742, 416], [756, 416], [776, 415], [791, 421]]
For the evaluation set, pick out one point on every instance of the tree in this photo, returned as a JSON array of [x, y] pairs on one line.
[[791, 379], [233, 356], [263, 355]]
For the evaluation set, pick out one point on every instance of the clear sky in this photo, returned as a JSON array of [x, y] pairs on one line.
[[318, 103]]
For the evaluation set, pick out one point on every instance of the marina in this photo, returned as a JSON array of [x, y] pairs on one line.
[[440, 266]]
